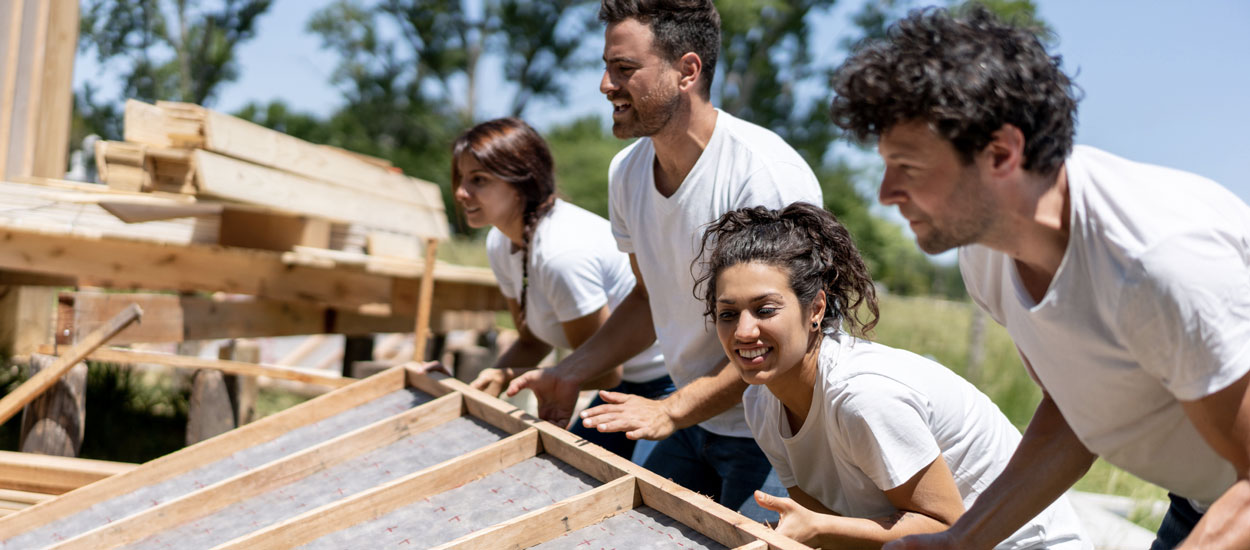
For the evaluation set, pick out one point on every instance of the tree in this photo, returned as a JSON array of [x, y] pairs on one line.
[[173, 50]]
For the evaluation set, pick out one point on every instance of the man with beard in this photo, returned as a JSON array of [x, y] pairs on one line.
[[1125, 286], [691, 164]]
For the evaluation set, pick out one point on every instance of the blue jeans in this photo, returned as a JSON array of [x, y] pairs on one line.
[[616, 441], [727, 469], [1177, 523]]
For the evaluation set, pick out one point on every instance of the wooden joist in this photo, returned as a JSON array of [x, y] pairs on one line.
[[442, 454], [53, 475]]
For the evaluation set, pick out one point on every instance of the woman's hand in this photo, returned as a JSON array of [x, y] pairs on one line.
[[492, 381], [796, 522]]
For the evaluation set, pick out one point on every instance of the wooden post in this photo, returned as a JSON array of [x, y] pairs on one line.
[[425, 295], [53, 424], [243, 389], [31, 388]]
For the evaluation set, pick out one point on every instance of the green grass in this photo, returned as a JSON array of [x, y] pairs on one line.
[[939, 329]]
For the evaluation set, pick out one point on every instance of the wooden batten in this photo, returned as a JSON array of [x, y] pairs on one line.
[[543, 525], [304, 463], [205, 452]]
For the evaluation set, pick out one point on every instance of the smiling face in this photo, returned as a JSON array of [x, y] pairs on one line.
[[763, 328], [641, 85], [485, 199], [943, 198]]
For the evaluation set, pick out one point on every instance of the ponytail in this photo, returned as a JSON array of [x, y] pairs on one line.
[[809, 243]]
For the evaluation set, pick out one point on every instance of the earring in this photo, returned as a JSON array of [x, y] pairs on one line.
[[815, 325]]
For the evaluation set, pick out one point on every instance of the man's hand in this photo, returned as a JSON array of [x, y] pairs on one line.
[[556, 393], [491, 381], [796, 522], [638, 417]]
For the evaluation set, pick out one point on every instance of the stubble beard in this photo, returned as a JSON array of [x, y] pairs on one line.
[[969, 217], [651, 112]]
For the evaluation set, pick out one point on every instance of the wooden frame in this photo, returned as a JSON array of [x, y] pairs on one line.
[[621, 485]]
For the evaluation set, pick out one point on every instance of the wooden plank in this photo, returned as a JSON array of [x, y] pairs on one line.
[[178, 318], [757, 545], [30, 389], [131, 357], [51, 145], [224, 177], [187, 459], [12, 12], [270, 231], [244, 140], [27, 318], [272, 476], [706, 516], [53, 475], [30, 108], [386, 498], [555, 520], [148, 124]]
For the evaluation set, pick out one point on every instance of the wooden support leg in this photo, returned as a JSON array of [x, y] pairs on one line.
[[53, 424], [356, 348], [424, 295], [243, 389], [210, 411]]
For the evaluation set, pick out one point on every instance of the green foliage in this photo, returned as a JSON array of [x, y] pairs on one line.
[[583, 150], [174, 50]]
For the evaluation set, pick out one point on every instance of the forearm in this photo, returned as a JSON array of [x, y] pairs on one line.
[[1049, 460], [705, 397], [1227, 523], [626, 333], [871, 533], [522, 355]]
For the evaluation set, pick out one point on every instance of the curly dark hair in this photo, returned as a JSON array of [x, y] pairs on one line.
[[679, 26], [967, 76], [806, 241]]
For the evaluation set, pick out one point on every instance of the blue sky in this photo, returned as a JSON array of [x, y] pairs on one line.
[[1164, 82]]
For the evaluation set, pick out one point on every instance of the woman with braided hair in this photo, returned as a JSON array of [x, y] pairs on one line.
[[872, 443], [557, 264]]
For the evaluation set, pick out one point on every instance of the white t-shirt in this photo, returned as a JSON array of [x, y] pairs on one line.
[[742, 165], [574, 271], [879, 415], [1150, 306]]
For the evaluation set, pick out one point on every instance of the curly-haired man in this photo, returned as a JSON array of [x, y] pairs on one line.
[[1125, 286]]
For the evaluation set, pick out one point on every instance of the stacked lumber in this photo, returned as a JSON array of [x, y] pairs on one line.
[[396, 460], [266, 182]]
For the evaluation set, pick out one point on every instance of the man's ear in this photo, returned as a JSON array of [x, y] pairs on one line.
[[1005, 152], [690, 66]]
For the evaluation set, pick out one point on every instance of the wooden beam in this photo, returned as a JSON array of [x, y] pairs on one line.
[[53, 475], [30, 389], [227, 178], [190, 458], [12, 52], [178, 318], [272, 476], [23, 498], [548, 523], [131, 357], [386, 498]]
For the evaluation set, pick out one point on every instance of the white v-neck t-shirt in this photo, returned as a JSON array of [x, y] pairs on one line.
[[1150, 306], [879, 415], [742, 165], [574, 271]]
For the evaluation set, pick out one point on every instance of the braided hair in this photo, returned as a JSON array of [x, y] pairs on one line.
[[814, 249], [512, 151]]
